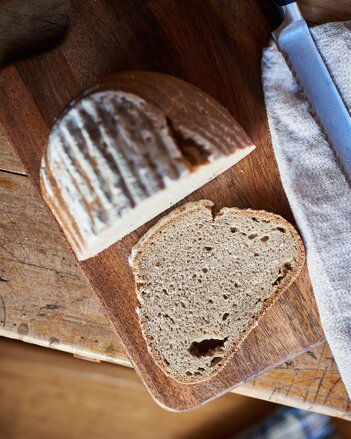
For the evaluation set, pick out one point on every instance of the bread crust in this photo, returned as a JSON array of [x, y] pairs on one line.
[[126, 140], [186, 210]]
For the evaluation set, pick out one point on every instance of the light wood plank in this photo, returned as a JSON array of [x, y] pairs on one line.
[[45, 298], [9, 161], [310, 381]]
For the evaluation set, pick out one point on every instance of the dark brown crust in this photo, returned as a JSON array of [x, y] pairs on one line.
[[185, 210]]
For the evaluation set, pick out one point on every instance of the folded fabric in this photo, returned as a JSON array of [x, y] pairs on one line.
[[317, 190], [293, 424]]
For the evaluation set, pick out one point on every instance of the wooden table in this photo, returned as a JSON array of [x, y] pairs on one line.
[[44, 298]]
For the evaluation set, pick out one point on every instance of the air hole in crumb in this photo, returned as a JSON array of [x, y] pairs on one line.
[[197, 373], [158, 263], [208, 248], [182, 304], [164, 291], [256, 254], [252, 236], [255, 219], [187, 373], [283, 271], [236, 285], [205, 270], [225, 296], [210, 301], [233, 229], [264, 238], [280, 229], [215, 361], [207, 347], [167, 362], [169, 318], [201, 369], [225, 316]]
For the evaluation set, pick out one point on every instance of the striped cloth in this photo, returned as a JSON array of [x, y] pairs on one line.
[[291, 423], [318, 193]]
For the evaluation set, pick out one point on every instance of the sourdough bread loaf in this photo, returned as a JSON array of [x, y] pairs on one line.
[[204, 281], [128, 149]]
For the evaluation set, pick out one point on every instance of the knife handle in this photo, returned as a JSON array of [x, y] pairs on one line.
[[283, 2]]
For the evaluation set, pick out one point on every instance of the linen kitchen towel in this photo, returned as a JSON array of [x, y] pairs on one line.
[[318, 192]]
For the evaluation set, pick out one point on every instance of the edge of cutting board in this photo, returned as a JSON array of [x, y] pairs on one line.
[[34, 92]]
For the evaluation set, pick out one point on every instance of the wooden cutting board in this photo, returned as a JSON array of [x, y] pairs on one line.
[[217, 46]]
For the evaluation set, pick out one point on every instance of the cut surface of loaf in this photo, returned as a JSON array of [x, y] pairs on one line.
[[130, 148], [203, 282]]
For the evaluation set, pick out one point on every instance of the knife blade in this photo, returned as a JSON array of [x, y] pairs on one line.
[[295, 41]]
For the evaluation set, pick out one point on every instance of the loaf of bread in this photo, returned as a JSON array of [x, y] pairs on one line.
[[203, 281], [128, 149]]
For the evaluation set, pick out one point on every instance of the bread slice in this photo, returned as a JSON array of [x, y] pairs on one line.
[[128, 149], [204, 281]]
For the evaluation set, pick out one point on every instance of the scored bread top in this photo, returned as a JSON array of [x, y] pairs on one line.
[[204, 281], [129, 148]]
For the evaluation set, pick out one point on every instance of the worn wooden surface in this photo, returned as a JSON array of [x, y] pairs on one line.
[[45, 300], [50, 258]]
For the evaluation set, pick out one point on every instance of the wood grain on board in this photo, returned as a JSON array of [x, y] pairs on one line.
[[9, 161], [159, 36]]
